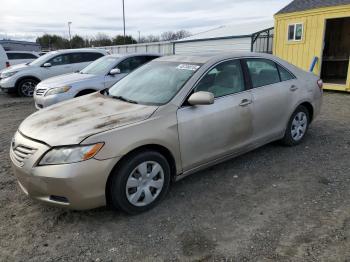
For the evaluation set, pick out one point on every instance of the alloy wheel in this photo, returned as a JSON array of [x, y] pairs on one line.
[[27, 88]]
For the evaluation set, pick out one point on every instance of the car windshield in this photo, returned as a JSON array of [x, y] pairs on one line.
[[42, 59], [155, 83], [100, 66]]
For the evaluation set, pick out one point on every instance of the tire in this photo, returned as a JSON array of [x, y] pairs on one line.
[[297, 128], [26, 87], [130, 186]]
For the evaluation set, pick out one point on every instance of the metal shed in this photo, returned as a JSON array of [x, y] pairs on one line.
[[254, 36], [14, 45]]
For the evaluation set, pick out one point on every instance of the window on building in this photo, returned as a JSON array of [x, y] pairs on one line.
[[295, 32]]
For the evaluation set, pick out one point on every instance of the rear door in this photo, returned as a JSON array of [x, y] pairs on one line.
[[273, 88], [209, 132], [83, 59]]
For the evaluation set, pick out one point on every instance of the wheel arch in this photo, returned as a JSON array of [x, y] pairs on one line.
[[309, 108], [26, 77], [149, 147], [85, 91]]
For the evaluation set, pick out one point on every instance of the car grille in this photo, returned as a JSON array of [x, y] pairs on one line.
[[20, 153], [40, 92]]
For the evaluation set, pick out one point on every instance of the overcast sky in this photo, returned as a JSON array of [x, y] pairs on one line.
[[27, 19]]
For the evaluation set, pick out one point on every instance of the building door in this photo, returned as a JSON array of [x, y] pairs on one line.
[[336, 53]]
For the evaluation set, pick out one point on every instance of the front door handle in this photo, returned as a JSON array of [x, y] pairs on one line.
[[293, 88], [245, 102]]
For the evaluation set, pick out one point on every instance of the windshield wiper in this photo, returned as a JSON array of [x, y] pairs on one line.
[[125, 99]]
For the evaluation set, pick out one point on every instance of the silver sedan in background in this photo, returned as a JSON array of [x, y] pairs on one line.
[[101, 74], [168, 119]]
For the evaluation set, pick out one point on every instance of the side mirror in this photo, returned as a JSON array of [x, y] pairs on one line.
[[47, 65], [114, 71], [201, 98]]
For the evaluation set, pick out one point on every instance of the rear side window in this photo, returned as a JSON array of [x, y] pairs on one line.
[[14, 56], [147, 59], [88, 57], [224, 79], [262, 72], [84, 57], [285, 75]]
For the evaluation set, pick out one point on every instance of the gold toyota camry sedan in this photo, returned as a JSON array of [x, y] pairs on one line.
[[172, 117]]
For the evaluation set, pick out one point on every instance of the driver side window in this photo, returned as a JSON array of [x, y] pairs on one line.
[[224, 79], [59, 60]]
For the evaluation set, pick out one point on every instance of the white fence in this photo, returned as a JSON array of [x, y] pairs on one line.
[[164, 48], [260, 42]]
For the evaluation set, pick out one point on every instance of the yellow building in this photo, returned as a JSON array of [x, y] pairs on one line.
[[318, 31]]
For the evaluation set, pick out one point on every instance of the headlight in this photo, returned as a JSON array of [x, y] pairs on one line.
[[58, 90], [70, 154], [8, 74]]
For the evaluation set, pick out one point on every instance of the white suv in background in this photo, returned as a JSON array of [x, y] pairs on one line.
[[24, 78], [21, 57], [101, 74]]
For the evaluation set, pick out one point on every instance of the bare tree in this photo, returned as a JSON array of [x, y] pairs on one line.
[[172, 35]]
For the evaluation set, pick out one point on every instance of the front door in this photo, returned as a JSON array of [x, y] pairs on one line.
[[110, 80], [209, 132], [60, 65]]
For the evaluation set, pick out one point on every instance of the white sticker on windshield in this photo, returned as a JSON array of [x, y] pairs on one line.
[[188, 67]]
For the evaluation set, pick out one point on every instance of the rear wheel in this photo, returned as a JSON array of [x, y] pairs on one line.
[[26, 87], [140, 182], [297, 127]]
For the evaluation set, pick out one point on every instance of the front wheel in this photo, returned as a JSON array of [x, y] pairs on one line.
[[140, 182], [297, 128], [26, 87]]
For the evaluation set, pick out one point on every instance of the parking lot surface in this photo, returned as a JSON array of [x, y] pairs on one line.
[[273, 204]]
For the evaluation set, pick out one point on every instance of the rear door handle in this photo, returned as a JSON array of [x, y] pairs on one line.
[[293, 88], [245, 102]]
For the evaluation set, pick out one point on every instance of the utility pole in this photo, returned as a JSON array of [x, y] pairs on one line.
[[139, 36], [70, 37], [124, 21]]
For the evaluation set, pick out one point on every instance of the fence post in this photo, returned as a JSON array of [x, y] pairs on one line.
[[268, 42]]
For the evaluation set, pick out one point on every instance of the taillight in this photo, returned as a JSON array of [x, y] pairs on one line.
[[320, 83], [8, 64]]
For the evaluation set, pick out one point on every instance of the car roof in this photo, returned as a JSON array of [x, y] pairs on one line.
[[202, 58], [88, 50], [24, 52], [133, 54]]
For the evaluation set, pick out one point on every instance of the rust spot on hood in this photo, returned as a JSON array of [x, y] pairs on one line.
[[49, 120], [68, 121], [107, 123]]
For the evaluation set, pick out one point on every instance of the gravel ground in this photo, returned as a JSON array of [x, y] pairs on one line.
[[273, 204]]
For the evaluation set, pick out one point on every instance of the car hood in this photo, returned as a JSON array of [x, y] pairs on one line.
[[67, 79], [19, 67], [71, 122]]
